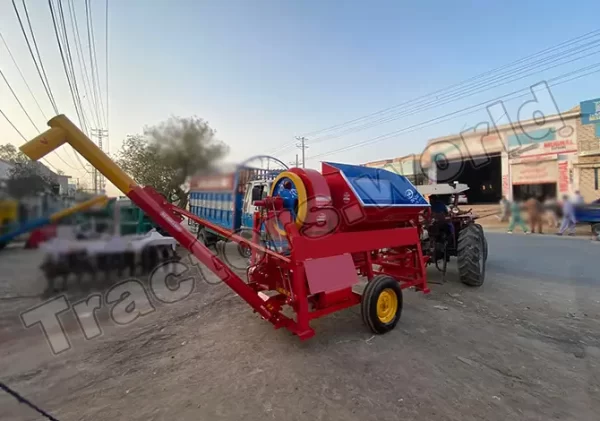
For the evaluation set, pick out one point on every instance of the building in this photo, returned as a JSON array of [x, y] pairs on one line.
[[37, 205], [408, 166], [544, 157], [587, 167]]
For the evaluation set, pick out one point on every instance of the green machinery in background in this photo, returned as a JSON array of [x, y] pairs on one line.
[[119, 217]]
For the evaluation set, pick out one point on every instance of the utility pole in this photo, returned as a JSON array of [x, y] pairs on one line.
[[292, 162], [302, 145], [99, 183]]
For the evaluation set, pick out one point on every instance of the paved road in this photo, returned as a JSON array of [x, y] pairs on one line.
[[524, 346], [557, 259]]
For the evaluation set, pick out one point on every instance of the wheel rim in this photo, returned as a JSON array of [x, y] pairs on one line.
[[387, 305]]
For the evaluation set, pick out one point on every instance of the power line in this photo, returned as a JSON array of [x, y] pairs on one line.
[[41, 73], [65, 65], [455, 114], [93, 61], [69, 57], [82, 65], [68, 66], [24, 138], [106, 62], [452, 98], [46, 87], [434, 93], [22, 76], [37, 49], [18, 101]]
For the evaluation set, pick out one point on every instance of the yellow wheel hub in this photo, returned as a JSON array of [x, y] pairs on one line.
[[387, 305]]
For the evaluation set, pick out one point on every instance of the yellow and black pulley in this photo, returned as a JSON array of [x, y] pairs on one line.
[[290, 187]]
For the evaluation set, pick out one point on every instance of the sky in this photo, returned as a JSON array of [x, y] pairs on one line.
[[265, 71]]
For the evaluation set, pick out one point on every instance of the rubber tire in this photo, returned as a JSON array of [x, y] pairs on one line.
[[485, 243], [368, 305], [471, 243], [202, 236]]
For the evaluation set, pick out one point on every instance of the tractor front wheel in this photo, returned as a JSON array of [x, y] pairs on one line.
[[485, 243], [471, 256], [381, 304]]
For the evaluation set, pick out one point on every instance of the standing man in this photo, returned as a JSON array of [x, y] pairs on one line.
[[568, 220], [515, 218], [504, 209], [534, 210], [578, 200]]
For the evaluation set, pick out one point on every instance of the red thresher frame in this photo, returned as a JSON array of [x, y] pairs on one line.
[[311, 262]]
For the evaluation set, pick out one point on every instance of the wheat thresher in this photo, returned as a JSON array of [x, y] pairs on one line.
[[337, 225]]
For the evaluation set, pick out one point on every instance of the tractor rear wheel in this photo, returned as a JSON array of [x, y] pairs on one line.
[[381, 304], [471, 256]]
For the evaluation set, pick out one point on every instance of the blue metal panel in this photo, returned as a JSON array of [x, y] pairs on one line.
[[377, 187], [537, 136], [590, 111]]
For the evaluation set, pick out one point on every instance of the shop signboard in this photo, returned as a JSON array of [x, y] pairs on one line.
[[590, 111], [537, 172], [541, 142]]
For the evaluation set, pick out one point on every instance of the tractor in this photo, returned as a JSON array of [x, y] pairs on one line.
[[448, 231]]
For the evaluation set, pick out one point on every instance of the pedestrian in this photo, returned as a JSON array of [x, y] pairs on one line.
[[550, 206], [515, 218], [504, 209], [534, 209], [578, 199], [568, 219]]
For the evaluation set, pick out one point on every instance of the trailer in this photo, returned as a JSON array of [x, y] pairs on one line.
[[339, 225], [589, 213], [227, 199]]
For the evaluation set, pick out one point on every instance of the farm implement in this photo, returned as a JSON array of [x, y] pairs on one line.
[[37, 224], [329, 228], [117, 239]]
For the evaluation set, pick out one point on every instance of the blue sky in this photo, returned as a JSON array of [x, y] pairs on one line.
[[262, 72]]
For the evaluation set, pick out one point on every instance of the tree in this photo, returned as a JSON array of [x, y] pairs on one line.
[[25, 177], [167, 154], [9, 153]]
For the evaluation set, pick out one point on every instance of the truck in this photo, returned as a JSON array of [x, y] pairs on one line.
[[227, 200]]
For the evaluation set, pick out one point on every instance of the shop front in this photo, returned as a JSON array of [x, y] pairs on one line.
[[534, 177]]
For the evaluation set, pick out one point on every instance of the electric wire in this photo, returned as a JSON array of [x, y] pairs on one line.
[[454, 114], [106, 74], [93, 61], [46, 87], [451, 99], [82, 64], [69, 57], [18, 101], [486, 73], [70, 82], [65, 66], [22, 76], [433, 100], [24, 138]]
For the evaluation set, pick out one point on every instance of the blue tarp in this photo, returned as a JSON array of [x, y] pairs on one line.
[[379, 187]]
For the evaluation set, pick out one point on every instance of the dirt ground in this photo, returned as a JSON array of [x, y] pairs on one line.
[[510, 350]]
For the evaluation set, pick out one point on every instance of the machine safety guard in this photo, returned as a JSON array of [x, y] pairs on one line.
[[323, 265]]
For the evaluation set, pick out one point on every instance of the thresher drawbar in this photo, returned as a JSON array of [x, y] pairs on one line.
[[313, 237]]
